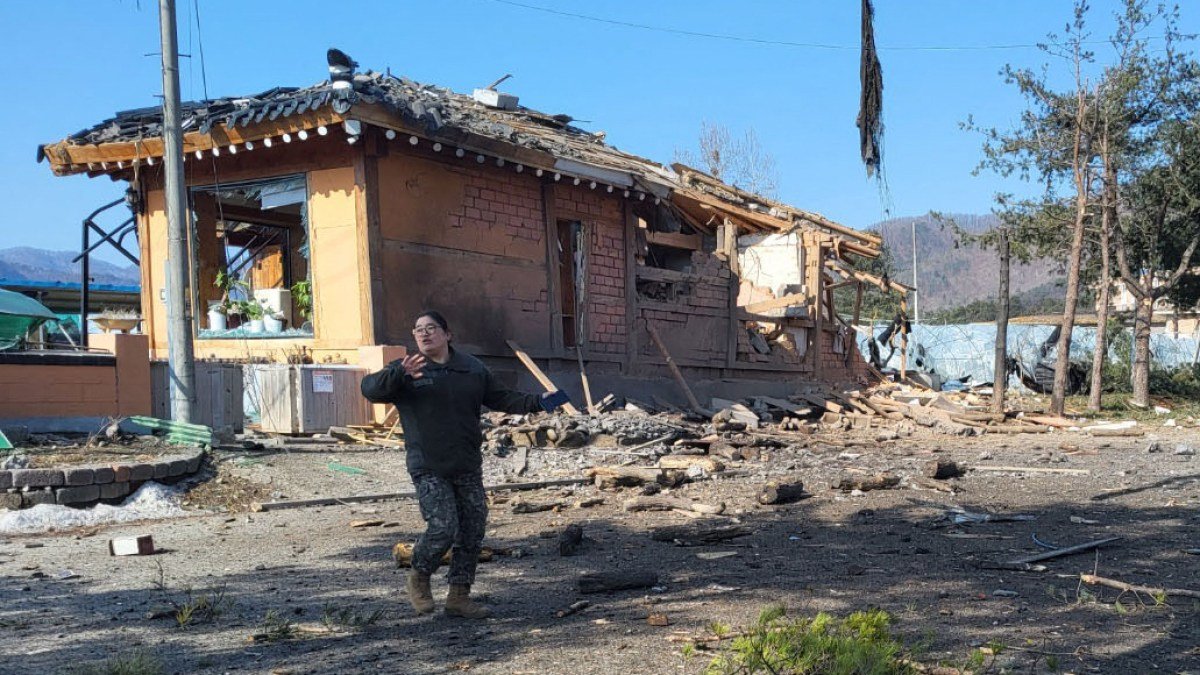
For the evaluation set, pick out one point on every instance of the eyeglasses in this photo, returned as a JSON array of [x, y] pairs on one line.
[[429, 329]]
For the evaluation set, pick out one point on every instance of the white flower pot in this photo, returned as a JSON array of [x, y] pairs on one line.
[[273, 325], [254, 326], [216, 320]]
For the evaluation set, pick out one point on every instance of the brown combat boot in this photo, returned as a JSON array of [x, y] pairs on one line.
[[459, 603], [418, 592]]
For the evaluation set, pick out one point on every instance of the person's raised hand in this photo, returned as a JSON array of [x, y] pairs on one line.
[[413, 364]]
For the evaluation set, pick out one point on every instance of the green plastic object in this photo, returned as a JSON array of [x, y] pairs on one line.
[[352, 470], [5, 444], [19, 315]]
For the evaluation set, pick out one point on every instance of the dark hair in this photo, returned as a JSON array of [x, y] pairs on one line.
[[437, 318]]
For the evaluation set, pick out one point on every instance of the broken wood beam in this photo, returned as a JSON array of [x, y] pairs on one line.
[[609, 477], [1033, 469], [685, 462], [663, 503], [662, 348], [605, 582], [776, 303], [538, 374], [698, 534], [880, 481], [1060, 552], [402, 553], [388, 496]]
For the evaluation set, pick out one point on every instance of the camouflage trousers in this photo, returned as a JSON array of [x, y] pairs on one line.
[[455, 512]]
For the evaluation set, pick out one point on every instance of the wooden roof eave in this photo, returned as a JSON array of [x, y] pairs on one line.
[[67, 158]]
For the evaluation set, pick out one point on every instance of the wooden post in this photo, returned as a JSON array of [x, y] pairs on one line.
[[816, 283], [903, 338], [1000, 362], [858, 296], [631, 343], [553, 292], [674, 368], [538, 374], [729, 232]]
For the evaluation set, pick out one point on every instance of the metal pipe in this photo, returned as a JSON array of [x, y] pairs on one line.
[[179, 331]]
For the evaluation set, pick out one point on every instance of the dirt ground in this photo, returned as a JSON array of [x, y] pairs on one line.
[[297, 571]]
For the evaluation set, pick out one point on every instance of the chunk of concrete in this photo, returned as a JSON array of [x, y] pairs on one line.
[[103, 474], [114, 490], [10, 500], [5, 479], [141, 472], [35, 497]]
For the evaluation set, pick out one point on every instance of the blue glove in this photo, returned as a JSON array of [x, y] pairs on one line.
[[553, 400]]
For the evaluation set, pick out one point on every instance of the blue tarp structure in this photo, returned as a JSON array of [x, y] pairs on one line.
[[20, 314]]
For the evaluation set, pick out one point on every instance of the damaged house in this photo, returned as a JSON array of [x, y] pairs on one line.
[[344, 208]]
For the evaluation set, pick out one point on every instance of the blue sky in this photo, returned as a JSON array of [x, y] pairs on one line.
[[71, 64]]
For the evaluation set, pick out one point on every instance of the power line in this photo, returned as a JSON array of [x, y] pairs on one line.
[[776, 43]]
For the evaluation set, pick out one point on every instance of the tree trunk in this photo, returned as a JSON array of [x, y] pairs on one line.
[[1063, 363], [1107, 218], [1141, 350], [1000, 372]]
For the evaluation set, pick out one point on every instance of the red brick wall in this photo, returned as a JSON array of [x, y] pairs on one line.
[[603, 218], [844, 367]]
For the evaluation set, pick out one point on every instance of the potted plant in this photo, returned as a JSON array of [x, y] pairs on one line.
[[302, 296], [123, 320], [218, 311], [273, 321], [254, 314]]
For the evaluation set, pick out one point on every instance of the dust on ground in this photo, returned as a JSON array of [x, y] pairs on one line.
[[301, 591]]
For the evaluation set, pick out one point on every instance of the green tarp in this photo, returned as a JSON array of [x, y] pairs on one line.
[[20, 314]]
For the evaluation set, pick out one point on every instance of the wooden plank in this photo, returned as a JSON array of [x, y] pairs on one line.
[[553, 292], [734, 288], [629, 228], [776, 303], [538, 374], [662, 348], [693, 242]]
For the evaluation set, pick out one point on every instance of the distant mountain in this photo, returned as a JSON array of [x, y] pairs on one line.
[[25, 263], [951, 276]]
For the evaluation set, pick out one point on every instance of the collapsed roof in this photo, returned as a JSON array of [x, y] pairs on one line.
[[488, 122]]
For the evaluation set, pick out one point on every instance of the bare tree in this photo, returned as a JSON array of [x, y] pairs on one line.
[[741, 162]]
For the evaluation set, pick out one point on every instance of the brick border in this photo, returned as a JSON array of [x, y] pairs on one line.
[[84, 485]]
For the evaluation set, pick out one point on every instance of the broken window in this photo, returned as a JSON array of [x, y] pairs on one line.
[[250, 243], [664, 240], [571, 252]]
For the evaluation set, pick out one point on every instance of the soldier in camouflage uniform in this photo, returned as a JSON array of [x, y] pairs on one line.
[[439, 393]]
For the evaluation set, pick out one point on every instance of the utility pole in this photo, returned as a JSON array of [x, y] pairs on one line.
[[179, 326], [916, 291]]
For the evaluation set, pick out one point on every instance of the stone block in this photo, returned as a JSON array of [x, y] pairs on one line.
[[103, 474], [121, 473], [37, 478], [177, 467], [78, 495], [161, 470], [35, 497], [114, 490], [5, 479], [141, 472], [10, 500], [193, 463], [79, 476]]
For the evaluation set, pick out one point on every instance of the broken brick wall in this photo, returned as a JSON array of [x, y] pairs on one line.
[[689, 309], [602, 216], [467, 239]]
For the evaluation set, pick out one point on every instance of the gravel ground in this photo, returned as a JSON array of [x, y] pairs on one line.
[[834, 552]]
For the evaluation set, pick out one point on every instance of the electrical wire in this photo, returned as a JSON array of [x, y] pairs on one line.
[[778, 43]]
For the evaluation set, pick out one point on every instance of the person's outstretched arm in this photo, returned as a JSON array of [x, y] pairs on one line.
[[500, 398], [394, 381]]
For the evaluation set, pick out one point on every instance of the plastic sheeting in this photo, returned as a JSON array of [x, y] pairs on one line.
[[960, 350]]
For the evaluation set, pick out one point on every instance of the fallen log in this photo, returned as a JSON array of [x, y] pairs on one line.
[[662, 503], [521, 506], [1133, 588], [575, 607], [1016, 429], [698, 534], [880, 481], [941, 469], [570, 539], [605, 582], [386, 496], [776, 492]]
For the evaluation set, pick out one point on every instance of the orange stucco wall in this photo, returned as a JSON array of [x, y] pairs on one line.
[[336, 234], [121, 389]]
